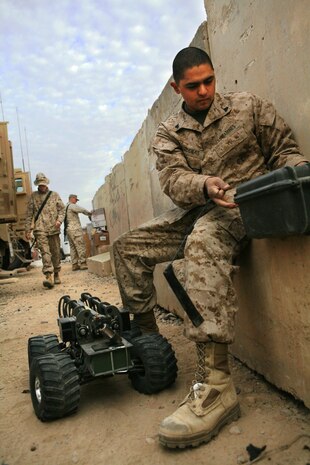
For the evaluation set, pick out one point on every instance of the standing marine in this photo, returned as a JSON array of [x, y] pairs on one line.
[[74, 233], [45, 214]]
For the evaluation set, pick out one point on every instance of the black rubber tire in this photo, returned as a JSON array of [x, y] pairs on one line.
[[54, 386], [132, 333], [62, 254], [4, 255], [24, 252], [41, 345], [155, 365]]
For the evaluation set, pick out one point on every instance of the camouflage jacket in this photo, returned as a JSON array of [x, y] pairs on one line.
[[242, 137], [72, 216], [53, 210]]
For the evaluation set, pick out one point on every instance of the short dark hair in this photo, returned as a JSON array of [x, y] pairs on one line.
[[187, 58]]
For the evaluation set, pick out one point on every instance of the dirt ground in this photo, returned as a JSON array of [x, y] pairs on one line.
[[115, 425]]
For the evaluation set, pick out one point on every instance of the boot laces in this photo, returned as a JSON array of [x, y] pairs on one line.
[[200, 373]]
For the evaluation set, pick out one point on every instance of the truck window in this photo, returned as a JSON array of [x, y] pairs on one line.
[[19, 186]]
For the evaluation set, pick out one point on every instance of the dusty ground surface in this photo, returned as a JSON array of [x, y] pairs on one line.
[[114, 424]]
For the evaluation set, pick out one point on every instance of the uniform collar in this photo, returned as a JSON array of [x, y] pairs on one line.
[[219, 108]]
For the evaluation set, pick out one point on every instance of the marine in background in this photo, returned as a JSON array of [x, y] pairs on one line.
[[74, 232], [45, 214]]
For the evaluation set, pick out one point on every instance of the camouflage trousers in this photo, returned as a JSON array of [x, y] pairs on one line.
[[77, 246], [49, 247], [205, 269]]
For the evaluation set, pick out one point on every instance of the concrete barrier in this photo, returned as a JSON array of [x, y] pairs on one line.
[[100, 264], [252, 50]]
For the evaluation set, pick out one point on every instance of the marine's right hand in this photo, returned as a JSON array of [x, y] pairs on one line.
[[217, 191], [28, 235]]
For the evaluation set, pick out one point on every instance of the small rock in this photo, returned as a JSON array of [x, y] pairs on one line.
[[250, 400], [235, 430], [248, 390], [286, 411], [149, 440], [241, 459], [33, 447]]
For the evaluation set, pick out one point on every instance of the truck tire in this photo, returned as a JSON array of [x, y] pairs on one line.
[[4, 255], [22, 257], [54, 386], [41, 345], [155, 366]]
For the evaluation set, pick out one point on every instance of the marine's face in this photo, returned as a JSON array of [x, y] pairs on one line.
[[42, 188], [197, 87]]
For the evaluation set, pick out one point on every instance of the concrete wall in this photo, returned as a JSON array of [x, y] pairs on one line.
[[261, 46], [131, 194]]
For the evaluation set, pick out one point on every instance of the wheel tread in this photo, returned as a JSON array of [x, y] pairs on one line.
[[60, 386], [41, 345], [158, 359]]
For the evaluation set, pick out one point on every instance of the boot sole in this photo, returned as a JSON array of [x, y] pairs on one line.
[[200, 438], [48, 285]]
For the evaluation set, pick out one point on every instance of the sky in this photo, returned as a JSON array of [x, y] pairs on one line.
[[77, 78]]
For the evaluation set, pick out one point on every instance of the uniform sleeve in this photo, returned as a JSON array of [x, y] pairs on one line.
[[29, 214], [78, 209], [275, 137], [61, 209], [178, 181]]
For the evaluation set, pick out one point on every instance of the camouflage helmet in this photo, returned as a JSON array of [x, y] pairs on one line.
[[41, 180]]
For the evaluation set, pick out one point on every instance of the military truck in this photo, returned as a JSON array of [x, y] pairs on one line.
[[15, 189]]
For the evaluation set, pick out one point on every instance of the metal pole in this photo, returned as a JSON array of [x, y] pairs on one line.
[[1, 107], [26, 139], [20, 140]]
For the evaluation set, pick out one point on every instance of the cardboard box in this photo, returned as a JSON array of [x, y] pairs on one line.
[[98, 218], [87, 244], [101, 238]]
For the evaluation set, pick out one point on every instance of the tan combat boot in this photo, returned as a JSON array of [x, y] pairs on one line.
[[211, 403], [48, 281], [75, 267], [56, 278], [83, 266], [146, 322]]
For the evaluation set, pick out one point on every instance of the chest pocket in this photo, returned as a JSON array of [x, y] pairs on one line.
[[235, 142], [194, 163], [193, 158]]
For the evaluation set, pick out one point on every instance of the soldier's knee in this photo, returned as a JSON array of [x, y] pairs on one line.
[[122, 242]]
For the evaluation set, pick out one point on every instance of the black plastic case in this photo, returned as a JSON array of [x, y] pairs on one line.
[[277, 203]]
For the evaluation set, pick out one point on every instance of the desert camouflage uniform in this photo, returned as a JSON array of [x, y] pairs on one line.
[[45, 230], [242, 137], [75, 233]]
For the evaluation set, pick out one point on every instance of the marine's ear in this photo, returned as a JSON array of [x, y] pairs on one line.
[[175, 87]]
